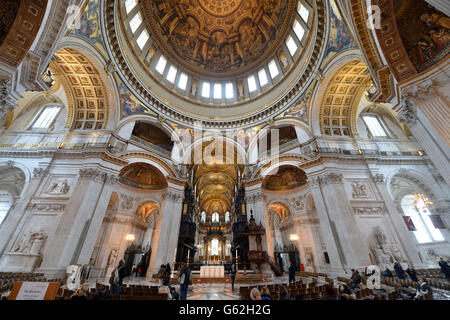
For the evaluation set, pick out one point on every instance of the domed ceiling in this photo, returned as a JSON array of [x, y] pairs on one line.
[[219, 37], [143, 176], [286, 178]]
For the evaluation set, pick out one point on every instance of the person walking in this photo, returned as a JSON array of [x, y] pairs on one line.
[[292, 271], [412, 274], [233, 271], [185, 278], [355, 279], [116, 279], [424, 291], [445, 268], [399, 271], [161, 273]]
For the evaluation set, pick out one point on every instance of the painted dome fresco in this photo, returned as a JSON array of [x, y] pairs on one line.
[[227, 63], [223, 38]]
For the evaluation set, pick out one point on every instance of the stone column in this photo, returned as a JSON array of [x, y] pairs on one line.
[[427, 119], [95, 221], [68, 238], [9, 229], [326, 213], [165, 236], [395, 222]]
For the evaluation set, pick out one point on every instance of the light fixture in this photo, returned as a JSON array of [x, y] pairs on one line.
[[360, 151], [130, 237], [293, 237], [420, 153]]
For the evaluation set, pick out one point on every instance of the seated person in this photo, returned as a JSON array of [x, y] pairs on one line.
[[346, 293], [174, 294], [265, 295]]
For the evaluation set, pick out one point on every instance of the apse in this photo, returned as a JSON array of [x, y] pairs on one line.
[[142, 176], [285, 178]]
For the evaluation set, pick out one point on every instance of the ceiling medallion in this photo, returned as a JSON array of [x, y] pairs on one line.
[[221, 38]]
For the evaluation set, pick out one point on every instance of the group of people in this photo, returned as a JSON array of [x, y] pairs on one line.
[[344, 293], [184, 277]]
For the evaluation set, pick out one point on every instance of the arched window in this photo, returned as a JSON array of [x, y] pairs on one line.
[[215, 247], [375, 125], [417, 209], [215, 218], [227, 217], [45, 118], [5, 204], [203, 216]]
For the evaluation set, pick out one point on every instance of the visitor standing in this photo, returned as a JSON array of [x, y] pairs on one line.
[[161, 273], [185, 279], [399, 271], [292, 270], [233, 271], [445, 268], [116, 279]]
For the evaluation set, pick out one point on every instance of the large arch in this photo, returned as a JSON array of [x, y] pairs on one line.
[[341, 98]]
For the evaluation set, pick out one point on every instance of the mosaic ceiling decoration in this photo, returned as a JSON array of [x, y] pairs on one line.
[[226, 37], [286, 178], [143, 176]]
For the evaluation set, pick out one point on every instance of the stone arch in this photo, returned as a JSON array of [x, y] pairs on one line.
[[406, 181], [143, 175], [296, 123], [284, 177], [328, 74], [240, 155], [280, 208], [87, 95], [147, 210], [341, 98]]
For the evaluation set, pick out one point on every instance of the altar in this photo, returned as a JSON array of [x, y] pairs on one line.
[[212, 272]]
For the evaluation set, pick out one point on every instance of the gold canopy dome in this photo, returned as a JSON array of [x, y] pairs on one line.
[[219, 38]]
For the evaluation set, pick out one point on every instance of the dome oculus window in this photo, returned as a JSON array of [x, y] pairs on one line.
[[252, 84], [291, 45], [229, 91], [206, 90], [135, 22], [273, 69], [161, 65], [182, 82], [172, 74], [129, 5], [142, 40], [217, 91], [299, 31], [303, 11], [263, 77], [375, 126], [46, 118]]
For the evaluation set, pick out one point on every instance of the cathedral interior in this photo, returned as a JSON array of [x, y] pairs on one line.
[[258, 132]]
